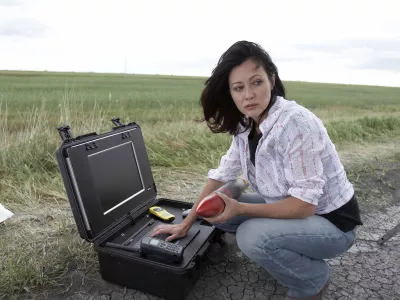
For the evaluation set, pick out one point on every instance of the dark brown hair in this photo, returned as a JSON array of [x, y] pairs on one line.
[[220, 111]]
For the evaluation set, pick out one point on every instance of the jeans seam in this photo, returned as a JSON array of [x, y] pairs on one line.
[[302, 236], [336, 237], [306, 235]]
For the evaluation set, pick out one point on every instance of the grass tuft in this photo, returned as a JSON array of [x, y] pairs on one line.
[[363, 129], [40, 244]]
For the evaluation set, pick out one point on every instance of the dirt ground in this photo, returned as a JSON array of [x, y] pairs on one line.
[[379, 199]]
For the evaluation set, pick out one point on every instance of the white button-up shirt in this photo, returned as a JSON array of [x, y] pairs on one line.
[[294, 157]]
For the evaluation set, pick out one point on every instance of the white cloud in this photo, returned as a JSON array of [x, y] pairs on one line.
[[9, 2], [23, 27], [188, 37]]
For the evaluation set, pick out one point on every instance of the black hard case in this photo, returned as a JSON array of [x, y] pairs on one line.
[[167, 280]]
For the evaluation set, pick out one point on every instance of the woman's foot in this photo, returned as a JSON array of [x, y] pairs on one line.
[[318, 296]]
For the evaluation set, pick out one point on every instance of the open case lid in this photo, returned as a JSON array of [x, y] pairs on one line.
[[107, 177]]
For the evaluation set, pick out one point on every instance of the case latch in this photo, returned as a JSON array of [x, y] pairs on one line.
[[65, 133]]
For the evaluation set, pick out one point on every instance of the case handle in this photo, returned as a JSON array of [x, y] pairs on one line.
[[65, 133], [116, 121], [118, 124]]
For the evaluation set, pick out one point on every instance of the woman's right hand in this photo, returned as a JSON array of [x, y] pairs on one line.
[[175, 230]]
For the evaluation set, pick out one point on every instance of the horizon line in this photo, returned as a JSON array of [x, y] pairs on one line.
[[177, 75]]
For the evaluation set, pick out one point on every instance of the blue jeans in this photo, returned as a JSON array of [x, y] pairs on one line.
[[291, 250]]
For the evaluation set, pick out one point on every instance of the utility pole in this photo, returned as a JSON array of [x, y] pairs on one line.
[[125, 64]]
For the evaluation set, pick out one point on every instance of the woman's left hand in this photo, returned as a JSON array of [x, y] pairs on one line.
[[231, 210]]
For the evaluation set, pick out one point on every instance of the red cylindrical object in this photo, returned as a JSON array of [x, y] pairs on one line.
[[210, 206], [213, 205]]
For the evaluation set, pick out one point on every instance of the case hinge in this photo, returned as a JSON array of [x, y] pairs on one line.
[[132, 216], [155, 187]]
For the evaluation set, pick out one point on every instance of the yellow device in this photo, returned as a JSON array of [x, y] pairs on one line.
[[161, 213]]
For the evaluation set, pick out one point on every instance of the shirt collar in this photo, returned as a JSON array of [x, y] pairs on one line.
[[267, 124]]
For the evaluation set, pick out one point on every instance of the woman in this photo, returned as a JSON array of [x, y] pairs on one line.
[[304, 209]]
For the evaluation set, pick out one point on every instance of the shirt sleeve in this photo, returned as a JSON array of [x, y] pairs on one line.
[[229, 165], [303, 142]]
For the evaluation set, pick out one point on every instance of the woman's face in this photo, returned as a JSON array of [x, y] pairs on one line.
[[250, 89]]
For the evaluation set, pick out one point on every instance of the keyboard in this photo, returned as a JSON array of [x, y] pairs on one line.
[[135, 240]]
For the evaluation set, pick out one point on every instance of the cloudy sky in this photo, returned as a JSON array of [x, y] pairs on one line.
[[341, 41]]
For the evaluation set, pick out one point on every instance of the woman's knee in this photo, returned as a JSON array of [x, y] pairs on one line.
[[313, 237], [258, 237], [250, 239]]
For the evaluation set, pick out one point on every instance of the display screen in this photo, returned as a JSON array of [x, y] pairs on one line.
[[116, 176], [154, 242]]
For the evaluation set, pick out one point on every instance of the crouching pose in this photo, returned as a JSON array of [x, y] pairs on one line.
[[303, 209]]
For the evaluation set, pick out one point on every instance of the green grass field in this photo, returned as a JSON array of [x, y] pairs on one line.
[[40, 244]]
